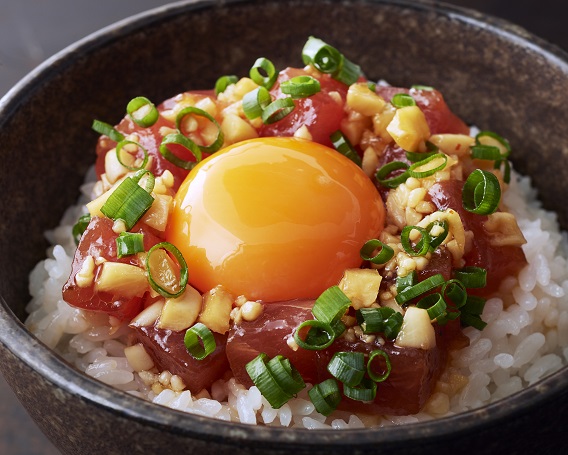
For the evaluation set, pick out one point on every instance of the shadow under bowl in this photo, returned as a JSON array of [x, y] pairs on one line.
[[493, 74]]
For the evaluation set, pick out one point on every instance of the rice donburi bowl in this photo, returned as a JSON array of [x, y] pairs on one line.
[[332, 263]]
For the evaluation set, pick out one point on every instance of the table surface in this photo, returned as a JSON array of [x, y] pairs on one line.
[[33, 30]]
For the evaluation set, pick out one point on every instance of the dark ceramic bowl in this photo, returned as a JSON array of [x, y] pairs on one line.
[[493, 74]]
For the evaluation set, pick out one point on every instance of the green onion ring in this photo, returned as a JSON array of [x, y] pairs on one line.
[[277, 110], [192, 110], [402, 100], [455, 291], [384, 255], [343, 146], [149, 118], [403, 282], [331, 305], [119, 147], [427, 173], [199, 341], [129, 202], [129, 243], [481, 193], [434, 304], [322, 56], [272, 378], [107, 130], [406, 295], [287, 377], [300, 86], [370, 372], [471, 276], [387, 169], [186, 143], [501, 140], [347, 367], [422, 87], [80, 227], [223, 82], [423, 245], [183, 272], [436, 240], [268, 67], [255, 101], [485, 152], [366, 390], [321, 339], [325, 396]]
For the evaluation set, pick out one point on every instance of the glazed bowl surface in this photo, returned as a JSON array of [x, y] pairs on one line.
[[492, 74]]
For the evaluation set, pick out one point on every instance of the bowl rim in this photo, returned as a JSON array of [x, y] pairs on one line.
[[17, 339]]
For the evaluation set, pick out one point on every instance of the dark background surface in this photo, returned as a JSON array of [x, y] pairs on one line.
[[33, 30]]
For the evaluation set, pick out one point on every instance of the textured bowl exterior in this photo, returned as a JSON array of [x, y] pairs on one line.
[[492, 74]]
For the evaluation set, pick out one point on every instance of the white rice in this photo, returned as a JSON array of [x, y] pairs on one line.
[[526, 337]]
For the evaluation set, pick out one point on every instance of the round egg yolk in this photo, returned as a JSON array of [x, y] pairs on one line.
[[274, 219]]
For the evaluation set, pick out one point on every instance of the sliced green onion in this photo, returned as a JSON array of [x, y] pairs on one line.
[[472, 320], [300, 86], [380, 320], [183, 272], [372, 86], [389, 168], [366, 390], [319, 336], [382, 257], [287, 377], [107, 130], [436, 240], [422, 87], [454, 290], [422, 246], [267, 68], [343, 146], [142, 111], [129, 243], [325, 396], [255, 101], [414, 171], [273, 378], [501, 140], [485, 152], [434, 304], [472, 277], [347, 367], [393, 325], [277, 110], [119, 147], [415, 157], [80, 227], [129, 202], [223, 82], [471, 312], [406, 295], [402, 100], [403, 282], [192, 110], [331, 305], [474, 305], [506, 171], [329, 60], [371, 373], [481, 193], [199, 341], [182, 141]]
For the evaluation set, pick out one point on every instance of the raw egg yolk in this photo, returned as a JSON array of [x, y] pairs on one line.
[[274, 219]]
